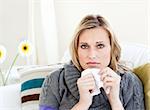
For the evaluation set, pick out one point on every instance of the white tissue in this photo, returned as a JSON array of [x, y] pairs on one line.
[[95, 73], [99, 83]]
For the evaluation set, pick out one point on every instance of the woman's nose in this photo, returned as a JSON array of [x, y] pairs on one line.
[[92, 54]]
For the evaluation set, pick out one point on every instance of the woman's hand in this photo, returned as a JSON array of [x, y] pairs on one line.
[[86, 85], [111, 80]]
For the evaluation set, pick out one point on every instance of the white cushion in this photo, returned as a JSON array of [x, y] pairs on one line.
[[135, 54], [10, 97]]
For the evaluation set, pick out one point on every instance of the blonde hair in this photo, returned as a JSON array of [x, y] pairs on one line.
[[89, 22]]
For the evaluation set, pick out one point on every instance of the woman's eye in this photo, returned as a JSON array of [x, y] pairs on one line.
[[84, 46], [100, 46]]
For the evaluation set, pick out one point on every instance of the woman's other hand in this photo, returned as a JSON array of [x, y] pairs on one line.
[[111, 80]]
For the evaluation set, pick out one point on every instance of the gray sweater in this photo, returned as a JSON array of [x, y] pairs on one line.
[[60, 91]]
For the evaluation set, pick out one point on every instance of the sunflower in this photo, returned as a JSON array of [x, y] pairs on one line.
[[25, 48], [2, 54]]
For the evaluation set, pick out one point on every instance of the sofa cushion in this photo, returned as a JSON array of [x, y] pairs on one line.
[[31, 82], [143, 72]]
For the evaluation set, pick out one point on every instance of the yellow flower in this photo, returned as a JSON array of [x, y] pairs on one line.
[[2, 54], [25, 48]]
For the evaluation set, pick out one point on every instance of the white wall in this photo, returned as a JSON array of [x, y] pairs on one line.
[[13, 27], [148, 11], [128, 18]]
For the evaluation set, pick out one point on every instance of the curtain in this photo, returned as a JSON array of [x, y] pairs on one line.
[[42, 32]]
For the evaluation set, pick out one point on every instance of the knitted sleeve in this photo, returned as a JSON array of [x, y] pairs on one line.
[[49, 97], [132, 92]]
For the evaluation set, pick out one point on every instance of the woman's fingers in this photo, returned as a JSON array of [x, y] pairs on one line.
[[110, 79], [109, 74], [86, 82]]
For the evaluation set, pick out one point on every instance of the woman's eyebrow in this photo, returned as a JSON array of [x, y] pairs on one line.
[[83, 43], [99, 42]]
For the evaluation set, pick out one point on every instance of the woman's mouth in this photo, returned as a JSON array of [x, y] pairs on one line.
[[92, 63]]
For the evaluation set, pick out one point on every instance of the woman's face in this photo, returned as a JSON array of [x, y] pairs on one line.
[[94, 48]]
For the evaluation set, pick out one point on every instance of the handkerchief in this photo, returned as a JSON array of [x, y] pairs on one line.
[[98, 82]]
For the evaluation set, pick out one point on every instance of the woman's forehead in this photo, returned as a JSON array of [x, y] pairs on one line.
[[94, 35]]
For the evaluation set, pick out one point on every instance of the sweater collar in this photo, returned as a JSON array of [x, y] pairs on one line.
[[71, 76]]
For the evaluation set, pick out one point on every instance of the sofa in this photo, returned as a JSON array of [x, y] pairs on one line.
[[24, 86]]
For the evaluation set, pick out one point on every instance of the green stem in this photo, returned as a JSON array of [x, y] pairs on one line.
[[11, 68], [2, 77]]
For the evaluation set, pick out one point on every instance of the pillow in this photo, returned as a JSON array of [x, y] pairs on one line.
[[143, 72], [31, 82], [135, 54]]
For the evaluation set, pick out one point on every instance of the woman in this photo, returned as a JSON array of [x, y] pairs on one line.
[[94, 46]]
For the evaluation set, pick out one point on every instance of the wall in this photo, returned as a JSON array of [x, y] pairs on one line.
[[148, 11], [128, 18], [13, 27]]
